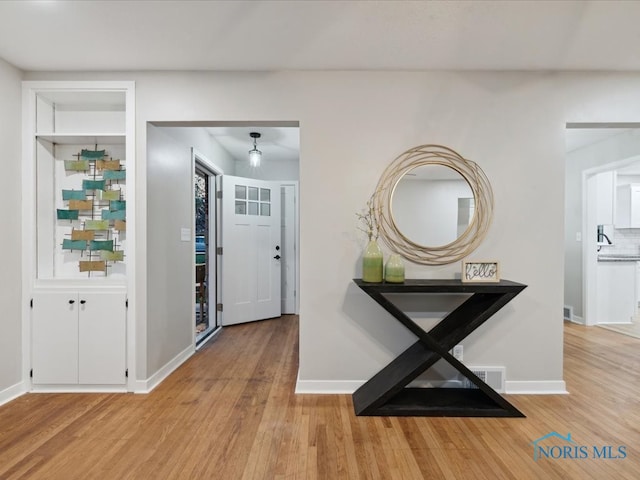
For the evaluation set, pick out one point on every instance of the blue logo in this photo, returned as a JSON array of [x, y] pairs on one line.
[[554, 445]]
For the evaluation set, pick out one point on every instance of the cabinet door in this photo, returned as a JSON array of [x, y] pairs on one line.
[[616, 302], [102, 338], [54, 356], [628, 206], [635, 206], [604, 205]]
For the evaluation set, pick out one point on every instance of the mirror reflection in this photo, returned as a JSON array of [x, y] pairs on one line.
[[432, 205]]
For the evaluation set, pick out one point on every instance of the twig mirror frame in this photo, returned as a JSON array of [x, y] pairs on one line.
[[443, 254]]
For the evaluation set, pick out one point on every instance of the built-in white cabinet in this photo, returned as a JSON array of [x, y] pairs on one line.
[[78, 175], [617, 292], [628, 206], [78, 338]]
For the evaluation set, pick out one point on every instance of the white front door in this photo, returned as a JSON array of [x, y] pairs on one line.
[[251, 250]]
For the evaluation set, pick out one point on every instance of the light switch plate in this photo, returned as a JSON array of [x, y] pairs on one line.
[[185, 234]]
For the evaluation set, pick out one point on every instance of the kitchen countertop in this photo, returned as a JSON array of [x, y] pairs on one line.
[[618, 258]]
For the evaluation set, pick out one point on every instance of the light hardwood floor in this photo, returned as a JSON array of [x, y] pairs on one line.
[[631, 329], [230, 413]]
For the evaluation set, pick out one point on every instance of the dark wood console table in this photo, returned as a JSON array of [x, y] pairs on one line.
[[386, 392]]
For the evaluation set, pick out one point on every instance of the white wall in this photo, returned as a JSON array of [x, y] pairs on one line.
[[170, 326], [270, 170], [352, 124], [10, 244], [170, 290], [207, 145], [608, 151]]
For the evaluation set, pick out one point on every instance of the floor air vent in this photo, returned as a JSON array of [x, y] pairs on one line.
[[568, 312], [492, 376]]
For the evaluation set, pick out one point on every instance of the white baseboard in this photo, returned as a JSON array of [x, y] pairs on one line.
[[140, 386], [12, 392], [577, 319], [335, 387], [550, 387], [328, 387], [73, 388], [146, 386]]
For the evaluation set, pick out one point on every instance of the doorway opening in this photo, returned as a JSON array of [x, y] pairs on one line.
[[259, 209], [220, 150], [602, 161], [206, 226]]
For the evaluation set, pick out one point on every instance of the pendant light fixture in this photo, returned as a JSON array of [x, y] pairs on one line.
[[255, 155]]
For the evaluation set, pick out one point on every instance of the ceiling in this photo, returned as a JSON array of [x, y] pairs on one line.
[[275, 143], [320, 35]]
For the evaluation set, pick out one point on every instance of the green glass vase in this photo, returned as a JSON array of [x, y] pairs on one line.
[[394, 269], [372, 263]]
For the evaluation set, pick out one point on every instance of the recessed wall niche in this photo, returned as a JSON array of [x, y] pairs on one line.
[[80, 152]]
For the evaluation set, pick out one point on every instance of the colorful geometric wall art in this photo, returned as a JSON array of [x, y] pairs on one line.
[[96, 211], [76, 165], [114, 175], [74, 195], [93, 266]]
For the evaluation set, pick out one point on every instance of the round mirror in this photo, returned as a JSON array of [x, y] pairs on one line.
[[432, 205]]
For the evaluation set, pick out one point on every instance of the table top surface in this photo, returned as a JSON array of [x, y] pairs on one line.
[[439, 285]]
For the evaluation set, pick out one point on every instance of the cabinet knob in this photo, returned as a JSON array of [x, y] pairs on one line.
[[71, 302], [82, 302]]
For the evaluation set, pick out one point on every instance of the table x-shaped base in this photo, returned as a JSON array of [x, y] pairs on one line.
[[386, 392]]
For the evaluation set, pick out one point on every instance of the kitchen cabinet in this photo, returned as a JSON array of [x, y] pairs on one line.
[[78, 338], [605, 193], [617, 292], [628, 206]]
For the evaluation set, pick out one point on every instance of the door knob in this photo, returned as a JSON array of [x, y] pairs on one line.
[[82, 302], [71, 302], [277, 257]]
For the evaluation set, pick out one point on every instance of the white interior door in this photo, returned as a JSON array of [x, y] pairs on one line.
[[251, 269]]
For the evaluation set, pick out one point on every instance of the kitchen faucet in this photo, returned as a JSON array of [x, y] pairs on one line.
[[602, 235]]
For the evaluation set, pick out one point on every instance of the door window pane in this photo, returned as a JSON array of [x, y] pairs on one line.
[[201, 202], [241, 208], [241, 192], [253, 201]]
